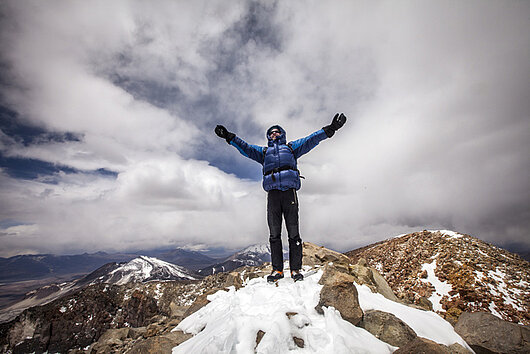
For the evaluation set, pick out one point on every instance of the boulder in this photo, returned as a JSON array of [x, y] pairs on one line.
[[361, 274], [344, 298], [318, 255], [425, 304], [382, 286], [456, 348], [332, 275], [111, 338], [159, 344], [423, 346], [486, 333], [137, 332], [387, 327]]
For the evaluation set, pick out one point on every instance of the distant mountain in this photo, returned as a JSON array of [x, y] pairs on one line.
[[455, 272], [143, 269], [139, 270], [31, 267], [254, 255]]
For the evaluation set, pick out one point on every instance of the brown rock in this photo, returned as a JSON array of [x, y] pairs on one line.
[[259, 337], [485, 332], [452, 315], [382, 286], [112, 337], [424, 303], [317, 255], [387, 327], [456, 348], [332, 275], [343, 297], [299, 342], [423, 346], [159, 344]]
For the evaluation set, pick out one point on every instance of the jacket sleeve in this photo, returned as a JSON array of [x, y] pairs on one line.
[[304, 145], [253, 152]]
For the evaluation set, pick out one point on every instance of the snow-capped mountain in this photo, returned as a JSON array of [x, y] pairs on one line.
[[254, 255], [143, 269], [140, 269], [455, 272]]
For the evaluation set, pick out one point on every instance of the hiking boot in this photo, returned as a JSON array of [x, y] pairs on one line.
[[296, 275], [275, 276]]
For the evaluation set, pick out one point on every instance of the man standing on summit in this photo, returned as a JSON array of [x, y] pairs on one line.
[[281, 180]]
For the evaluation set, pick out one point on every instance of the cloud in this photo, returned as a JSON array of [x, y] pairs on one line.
[[435, 94]]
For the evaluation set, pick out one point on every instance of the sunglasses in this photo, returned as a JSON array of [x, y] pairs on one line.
[[274, 132]]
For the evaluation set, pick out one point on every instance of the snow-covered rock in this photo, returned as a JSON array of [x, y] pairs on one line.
[[230, 323]]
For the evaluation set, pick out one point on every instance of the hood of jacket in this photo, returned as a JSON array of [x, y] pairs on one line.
[[282, 139]]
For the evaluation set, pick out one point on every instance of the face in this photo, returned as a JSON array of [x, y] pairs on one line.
[[274, 134]]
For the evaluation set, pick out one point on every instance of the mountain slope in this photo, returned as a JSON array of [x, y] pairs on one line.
[[456, 272]]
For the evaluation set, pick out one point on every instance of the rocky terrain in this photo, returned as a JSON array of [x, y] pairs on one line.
[[80, 318], [455, 272], [155, 316]]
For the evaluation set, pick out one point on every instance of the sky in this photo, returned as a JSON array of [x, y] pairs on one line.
[[107, 113]]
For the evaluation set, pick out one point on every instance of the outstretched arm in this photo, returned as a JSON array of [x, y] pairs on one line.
[[304, 145], [253, 152]]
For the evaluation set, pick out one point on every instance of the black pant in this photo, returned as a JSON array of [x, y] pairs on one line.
[[284, 203]]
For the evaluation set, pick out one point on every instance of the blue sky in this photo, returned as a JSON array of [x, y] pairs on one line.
[[107, 112]]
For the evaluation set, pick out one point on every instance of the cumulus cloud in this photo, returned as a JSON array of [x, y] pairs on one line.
[[436, 96]]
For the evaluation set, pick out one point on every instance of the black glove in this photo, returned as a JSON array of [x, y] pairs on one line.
[[337, 123], [223, 133]]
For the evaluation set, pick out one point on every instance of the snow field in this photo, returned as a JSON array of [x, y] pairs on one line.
[[231, 321]]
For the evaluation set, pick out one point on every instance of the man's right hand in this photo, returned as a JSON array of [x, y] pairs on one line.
[[222, 132]]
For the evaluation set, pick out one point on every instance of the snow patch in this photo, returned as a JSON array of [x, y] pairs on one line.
[[449, 233], [426, 324], [441, 288]]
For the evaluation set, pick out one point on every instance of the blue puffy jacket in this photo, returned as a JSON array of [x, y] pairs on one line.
[[279, 158]]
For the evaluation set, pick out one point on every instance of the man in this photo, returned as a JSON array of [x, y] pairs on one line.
[[281, 180]]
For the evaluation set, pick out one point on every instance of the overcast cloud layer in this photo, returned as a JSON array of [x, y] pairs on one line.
[[436, 94]]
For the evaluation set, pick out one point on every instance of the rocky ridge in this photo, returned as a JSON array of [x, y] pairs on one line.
[[455, 272]]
